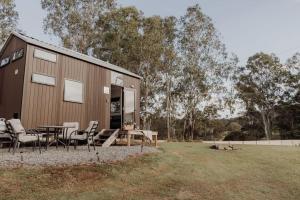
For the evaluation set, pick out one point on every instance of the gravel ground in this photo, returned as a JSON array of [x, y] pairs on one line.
[[61, 157]]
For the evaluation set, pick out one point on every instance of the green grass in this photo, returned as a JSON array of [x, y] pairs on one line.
[[181, 171]]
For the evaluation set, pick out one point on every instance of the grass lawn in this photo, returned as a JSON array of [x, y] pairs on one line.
[[181, 171]]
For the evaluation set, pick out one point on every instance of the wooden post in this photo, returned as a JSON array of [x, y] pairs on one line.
[[155, 139], [128, 139]]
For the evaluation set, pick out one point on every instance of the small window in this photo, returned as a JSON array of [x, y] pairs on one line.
[[117, 79], [73, 91], [45, 55], [18, 54], [4, 61], [43, 79]]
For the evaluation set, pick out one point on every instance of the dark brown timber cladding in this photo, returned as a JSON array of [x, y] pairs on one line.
[[11, 80], [44, 104]]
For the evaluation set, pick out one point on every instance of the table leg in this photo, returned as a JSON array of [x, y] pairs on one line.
[[56, 137], [128, 139], [47, 138]]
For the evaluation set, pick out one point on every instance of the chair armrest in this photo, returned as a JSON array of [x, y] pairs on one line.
[[72, 133]]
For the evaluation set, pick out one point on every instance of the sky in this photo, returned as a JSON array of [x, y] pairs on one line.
[[246, 26]]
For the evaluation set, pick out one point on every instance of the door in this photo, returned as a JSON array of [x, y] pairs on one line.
[[116, 107]]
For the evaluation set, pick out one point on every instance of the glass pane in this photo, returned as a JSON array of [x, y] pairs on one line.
[[129, 105], [42, 79], [73, 91], [117, 79]]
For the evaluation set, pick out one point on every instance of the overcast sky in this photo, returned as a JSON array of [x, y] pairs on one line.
[[246, 26]]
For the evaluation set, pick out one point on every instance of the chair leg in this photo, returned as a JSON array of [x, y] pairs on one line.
[[39, 142], [68, 144], [75, 144], [33, 146], [94, 144], [11, 144], [15, 145], [88, 145]]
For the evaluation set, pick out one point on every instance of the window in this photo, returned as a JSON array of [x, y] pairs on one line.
[[73, 91], [4, 61], [117, 79], [43, 79], [129, 105], [45, 55], [18, 54]]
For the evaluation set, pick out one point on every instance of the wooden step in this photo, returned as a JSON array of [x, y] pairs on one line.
[[111, 139]]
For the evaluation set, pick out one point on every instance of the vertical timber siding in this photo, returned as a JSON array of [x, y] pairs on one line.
[[11, 84], [44, 104]]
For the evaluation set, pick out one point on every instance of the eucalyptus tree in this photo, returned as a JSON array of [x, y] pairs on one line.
[[202, 55], [170, 74], [8, 19], [151, 50], [293, 65], [120, 38], [262, 85], [74, 22]]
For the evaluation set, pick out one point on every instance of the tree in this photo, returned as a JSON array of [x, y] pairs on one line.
[[75, 21], [170, 74], [202, 55], [262, 85], [151, 50], [8, 19], [120, 38]]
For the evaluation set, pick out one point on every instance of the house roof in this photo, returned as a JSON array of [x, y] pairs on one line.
[[74, 54]]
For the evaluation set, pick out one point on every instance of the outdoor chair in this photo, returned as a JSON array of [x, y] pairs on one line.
[[66, 133], [86, 135], [5, 137], [21, 136]]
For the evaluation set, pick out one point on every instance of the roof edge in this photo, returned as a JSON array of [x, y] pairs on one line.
[[72, 53]]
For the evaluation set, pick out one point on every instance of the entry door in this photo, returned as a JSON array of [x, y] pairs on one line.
[[129, 105], [116, 107]]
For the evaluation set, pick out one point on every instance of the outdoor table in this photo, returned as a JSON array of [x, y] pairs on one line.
[[55, 133], [130, 133]]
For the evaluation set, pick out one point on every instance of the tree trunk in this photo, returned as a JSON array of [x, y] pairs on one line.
[[184, 130], [168, 110], [146, 104], [267, 124]]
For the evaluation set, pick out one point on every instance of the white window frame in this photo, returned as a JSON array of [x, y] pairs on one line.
[[45, 55], [117, 79], [14, 54], [34, 80], [7, 59], [72, 100]]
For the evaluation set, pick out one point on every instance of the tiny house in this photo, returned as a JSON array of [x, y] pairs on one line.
[[43, 84]]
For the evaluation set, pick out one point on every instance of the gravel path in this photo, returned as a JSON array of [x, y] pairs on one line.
[[61, 157]]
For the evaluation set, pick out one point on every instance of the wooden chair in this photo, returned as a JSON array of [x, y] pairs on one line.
[[20, 135], [86, 135]]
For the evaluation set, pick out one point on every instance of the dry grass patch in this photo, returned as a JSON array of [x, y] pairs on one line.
[[182, 171]]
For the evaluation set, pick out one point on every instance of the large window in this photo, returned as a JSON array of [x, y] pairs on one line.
[[73, 91], [129, 105], [44, 55], [43, 79]]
